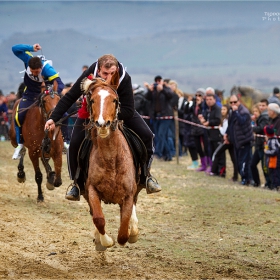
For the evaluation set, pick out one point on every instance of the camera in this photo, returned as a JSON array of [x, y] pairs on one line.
[[155, 86]]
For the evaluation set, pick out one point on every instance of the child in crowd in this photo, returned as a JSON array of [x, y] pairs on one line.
[[272, 153]]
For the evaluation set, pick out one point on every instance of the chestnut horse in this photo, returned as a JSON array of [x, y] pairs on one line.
[[41, 144], [111, 173]]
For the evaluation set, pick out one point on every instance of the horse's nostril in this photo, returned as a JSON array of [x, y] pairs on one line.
[[97, 124], [108, 123]]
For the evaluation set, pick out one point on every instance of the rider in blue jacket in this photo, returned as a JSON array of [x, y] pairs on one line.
[[38, 71]]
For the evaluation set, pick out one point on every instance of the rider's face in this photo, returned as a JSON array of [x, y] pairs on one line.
[[107, 73], [36, 72]]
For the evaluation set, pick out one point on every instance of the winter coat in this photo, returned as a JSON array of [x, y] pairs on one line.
[[164, 98], [214, 118], [261, 122], [240, 130]]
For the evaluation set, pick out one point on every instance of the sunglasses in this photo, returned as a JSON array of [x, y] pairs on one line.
[[198, 95], [233, 102]]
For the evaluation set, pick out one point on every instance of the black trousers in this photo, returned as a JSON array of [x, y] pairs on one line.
[[220, 151], [136, 123]]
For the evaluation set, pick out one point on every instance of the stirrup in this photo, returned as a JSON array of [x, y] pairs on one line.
[[154, 180], [73, 185]]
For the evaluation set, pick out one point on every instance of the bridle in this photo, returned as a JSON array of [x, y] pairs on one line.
[[92, 124], [42, 102]]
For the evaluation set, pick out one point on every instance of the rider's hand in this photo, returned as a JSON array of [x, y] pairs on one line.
[[36, 47], [50, 125]]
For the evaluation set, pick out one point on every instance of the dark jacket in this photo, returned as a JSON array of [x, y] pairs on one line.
[[261, 122], [164, 98], [276, 123], [240, 130], [193, 115], [124, 91], [214, 117], [140, 102]]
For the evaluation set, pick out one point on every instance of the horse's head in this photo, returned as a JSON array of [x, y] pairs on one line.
[[103, 105], [48, 101]]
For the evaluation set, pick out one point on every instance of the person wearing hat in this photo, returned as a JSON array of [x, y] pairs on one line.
[[273, 111], [275, 98], [272, 152]]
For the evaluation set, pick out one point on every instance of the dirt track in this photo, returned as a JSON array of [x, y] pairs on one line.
[[194, 229]]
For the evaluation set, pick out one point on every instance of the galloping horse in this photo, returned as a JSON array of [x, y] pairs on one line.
[[111, 173], [40, 143]]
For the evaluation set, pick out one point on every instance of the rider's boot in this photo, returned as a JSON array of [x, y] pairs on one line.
[[74, 194], [149, 183], [16, 154], [19, 140], [152, 185]]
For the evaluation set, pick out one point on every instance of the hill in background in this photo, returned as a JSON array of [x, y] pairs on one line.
[[220, 58]]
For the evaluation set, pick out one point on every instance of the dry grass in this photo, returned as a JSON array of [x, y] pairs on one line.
[[198, 227]]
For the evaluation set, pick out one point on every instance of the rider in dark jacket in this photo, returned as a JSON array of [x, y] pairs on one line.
[[105, 67]]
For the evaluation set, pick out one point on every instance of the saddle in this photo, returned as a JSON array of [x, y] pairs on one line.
[[136, 145]]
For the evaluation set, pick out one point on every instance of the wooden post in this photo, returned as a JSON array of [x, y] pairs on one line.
[[176, 134]]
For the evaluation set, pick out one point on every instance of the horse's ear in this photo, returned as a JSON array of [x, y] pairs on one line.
[[115, 80]]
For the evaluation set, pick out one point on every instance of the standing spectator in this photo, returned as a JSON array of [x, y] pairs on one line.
[[11, 99], [197, 131], [260, 116], [273, 111], [3, 117], [272, 153], [140, 102], [275, 97], [219, 154], [161, 113], [189, 141], [213, 118], [180, 107], [210, 90], [240, 134]]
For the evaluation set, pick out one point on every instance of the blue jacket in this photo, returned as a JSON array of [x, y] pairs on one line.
[[33, 84]]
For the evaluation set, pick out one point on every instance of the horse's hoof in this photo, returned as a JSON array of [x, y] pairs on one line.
[[50, 186], [133, 239], [40, 200], [21, 180], [57, 184], [99, 247]]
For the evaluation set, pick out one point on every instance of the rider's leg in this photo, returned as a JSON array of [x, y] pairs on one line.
[[140, 127], [19, 118], [76, 140]]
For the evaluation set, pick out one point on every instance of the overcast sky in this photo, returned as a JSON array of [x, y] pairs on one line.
[[122, 19]]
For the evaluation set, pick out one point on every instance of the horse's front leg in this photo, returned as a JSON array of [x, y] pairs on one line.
[[102, 239], [57, 159], [34, 157], [126, 211], [133, 226], [21, 174]]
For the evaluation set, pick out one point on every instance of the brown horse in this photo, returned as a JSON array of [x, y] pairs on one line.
[[111, 174], [40, 143]]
